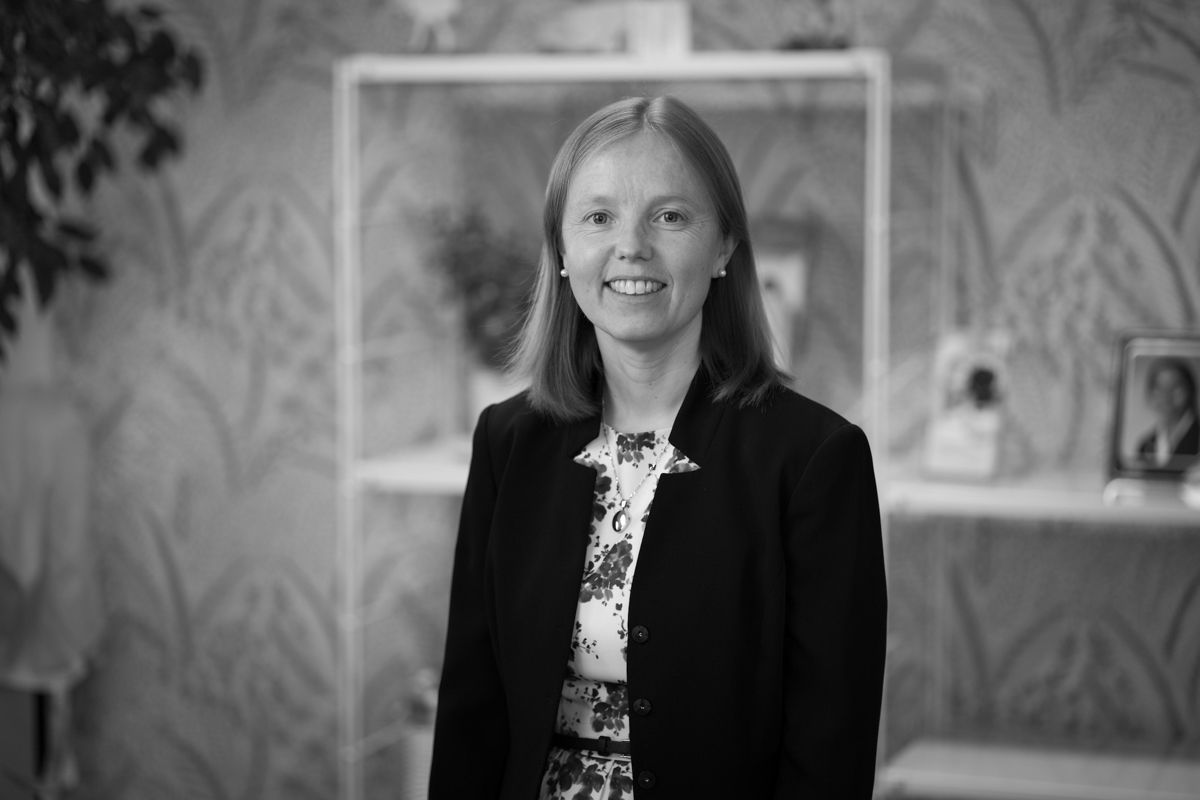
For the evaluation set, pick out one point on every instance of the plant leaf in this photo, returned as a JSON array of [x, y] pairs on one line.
[[76, 230], [94, 267], [85, 174]]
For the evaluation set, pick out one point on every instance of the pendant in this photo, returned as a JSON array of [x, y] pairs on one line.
[[621, 520]]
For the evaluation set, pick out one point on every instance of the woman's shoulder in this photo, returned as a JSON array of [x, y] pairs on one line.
[[788, 431], [789, 425], [506, 415], [517, 418], [786, 412]]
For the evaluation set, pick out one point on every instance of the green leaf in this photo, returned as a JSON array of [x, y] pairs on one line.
[[76, 230], [68, 129], [161, 48], [85, 175], [192, 71], [162, 142], [94, 268], [51, 177], [45, 277], [103, 156]]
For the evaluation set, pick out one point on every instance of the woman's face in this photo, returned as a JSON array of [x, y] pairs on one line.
[[641, 243]]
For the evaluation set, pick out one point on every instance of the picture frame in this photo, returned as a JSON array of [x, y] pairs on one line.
[[1156, 420]]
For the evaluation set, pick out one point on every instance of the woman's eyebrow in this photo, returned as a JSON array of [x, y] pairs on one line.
[[604, 199]]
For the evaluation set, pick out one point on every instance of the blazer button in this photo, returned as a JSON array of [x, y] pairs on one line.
[[646, 779], [642, 706], [640, 634]]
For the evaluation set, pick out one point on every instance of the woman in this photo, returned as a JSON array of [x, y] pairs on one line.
[[727, 644]]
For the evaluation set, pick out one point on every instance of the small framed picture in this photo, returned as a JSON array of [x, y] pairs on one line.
[[1156, 428]]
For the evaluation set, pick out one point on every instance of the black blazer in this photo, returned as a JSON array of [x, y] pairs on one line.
[[760, 581]]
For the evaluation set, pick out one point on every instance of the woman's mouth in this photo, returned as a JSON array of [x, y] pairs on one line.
[[635, 287]]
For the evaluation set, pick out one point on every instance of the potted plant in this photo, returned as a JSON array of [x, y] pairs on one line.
[[488, 271], [81, 84], [80, 81]]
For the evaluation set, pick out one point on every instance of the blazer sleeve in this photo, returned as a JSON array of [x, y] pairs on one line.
[[471, 727], [836, 624]]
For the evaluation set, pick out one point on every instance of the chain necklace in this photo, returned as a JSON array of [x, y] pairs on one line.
[[621, 518]]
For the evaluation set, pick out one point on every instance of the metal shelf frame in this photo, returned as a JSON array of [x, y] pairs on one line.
[[356, 475]]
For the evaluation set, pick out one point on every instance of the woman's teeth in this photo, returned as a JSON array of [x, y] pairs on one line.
[[635, 287]]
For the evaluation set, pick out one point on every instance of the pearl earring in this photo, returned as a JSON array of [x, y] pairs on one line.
[[722, 273], [563, 272]]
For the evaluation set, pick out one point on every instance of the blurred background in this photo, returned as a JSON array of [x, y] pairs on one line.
[[178, 568]]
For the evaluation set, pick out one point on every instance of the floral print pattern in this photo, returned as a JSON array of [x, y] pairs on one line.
[[595, 698]]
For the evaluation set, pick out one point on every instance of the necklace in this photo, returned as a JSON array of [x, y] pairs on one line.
[[621, 518]]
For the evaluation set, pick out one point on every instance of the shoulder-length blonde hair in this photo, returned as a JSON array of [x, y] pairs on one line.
[[556, 348]]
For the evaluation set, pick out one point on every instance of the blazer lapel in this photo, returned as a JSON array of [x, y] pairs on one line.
[[697, 420]]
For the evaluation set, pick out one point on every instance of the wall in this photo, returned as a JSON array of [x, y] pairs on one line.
[[206, 368]]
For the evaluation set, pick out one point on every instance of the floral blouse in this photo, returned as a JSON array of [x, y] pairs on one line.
[[595, 700]]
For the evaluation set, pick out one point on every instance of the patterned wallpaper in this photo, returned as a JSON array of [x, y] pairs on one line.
[[206, 373]]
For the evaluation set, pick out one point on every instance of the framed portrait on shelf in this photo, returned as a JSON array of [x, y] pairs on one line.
[[1156, 425]]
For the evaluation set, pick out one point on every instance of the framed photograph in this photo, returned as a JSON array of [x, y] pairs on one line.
[[1156, 428]]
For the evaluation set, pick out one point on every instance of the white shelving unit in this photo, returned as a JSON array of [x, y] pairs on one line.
[[440, 467], [964, 771], [1049, 498]]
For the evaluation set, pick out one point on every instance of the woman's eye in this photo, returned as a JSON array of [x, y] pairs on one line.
[[598, 218], [671, 217]]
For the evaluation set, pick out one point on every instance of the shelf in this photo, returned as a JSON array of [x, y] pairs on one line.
[[438, 467], [1050, 498], [936, 769], [542, 68]]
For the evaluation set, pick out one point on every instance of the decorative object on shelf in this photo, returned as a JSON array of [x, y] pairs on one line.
[[1156, 421], [781, 255], [659, 28], [1189, 492], [823, 25], [74, 75], [783, 280], [489, 272], [432, 24], [418, 740], [966, 424]]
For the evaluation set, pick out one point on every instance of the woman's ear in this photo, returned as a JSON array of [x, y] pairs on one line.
[[728, 245]]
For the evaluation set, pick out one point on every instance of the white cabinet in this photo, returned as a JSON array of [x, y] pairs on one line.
[[420, 141]]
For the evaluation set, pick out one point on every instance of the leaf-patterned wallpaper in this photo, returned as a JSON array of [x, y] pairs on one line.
[[206, 371]]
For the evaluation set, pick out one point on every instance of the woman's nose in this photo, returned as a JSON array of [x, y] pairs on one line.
[[633, 244]]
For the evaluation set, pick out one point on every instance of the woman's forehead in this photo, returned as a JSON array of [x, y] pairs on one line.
[[650, 155]]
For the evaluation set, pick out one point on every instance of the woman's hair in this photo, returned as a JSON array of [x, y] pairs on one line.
[[556, 349]]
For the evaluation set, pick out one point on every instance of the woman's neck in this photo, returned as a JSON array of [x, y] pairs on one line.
[[644, 394]]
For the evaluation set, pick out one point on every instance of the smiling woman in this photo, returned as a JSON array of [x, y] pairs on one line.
[[658, 442]]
